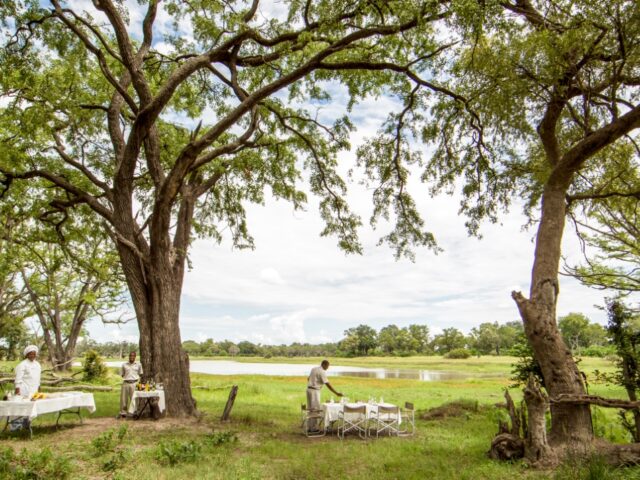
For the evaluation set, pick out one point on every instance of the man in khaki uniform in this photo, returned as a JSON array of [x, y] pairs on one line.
[[317, 379], [130, 372]]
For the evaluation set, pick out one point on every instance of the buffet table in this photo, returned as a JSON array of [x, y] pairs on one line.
[[17, 410], [142, 399]]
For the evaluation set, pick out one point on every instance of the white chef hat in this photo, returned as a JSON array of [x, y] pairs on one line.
[[29, 349]]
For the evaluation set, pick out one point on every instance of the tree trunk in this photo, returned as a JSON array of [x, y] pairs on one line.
[[155, 292], [571, 424]]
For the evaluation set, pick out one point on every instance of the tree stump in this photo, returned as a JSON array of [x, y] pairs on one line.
[[537, 448], [506, 446]]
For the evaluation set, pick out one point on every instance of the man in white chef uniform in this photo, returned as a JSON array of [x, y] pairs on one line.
[[28, 371], [27, 383]]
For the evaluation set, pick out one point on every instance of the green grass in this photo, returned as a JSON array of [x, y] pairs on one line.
[[269, 445]]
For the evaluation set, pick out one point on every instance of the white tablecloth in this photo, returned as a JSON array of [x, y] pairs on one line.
[[332, 410], [54, 402], [159, 394]]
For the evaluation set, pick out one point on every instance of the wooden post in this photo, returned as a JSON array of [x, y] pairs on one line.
[[229, 405]]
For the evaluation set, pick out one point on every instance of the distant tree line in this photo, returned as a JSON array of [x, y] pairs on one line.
[[580, 334]]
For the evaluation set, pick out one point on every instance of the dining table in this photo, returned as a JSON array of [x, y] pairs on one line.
[[18, 409], [332, 411]]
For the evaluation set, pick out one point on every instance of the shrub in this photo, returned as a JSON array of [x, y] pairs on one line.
[[600, 351], [175, 452], [105, 442], [116, 461], [458, 353], [93, 366], [220, 438], [33, 465]]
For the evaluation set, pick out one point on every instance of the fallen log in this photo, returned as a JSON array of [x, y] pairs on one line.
[[58, 381], [87, 388]]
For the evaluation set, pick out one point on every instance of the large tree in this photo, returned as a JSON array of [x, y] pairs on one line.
[[555, 86], [97, 106], [68, 284]]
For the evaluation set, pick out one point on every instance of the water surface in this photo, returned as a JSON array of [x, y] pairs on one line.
[[230, 367]]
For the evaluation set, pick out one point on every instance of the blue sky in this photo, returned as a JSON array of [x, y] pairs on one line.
[[297, 286]]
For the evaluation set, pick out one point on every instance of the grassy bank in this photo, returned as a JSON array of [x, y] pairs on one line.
[[268, 445]]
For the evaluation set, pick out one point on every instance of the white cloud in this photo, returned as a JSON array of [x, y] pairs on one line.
[[271, 275]]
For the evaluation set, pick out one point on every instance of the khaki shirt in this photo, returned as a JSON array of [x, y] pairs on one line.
[[317, 378], [131, 371]]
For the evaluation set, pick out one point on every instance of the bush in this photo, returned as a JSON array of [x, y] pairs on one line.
[[105, 442], [600, 351], [33, 465], [458, 353], [93, 366], [174, 452], [220, 438]]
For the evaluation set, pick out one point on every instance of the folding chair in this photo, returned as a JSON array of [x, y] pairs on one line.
[[312, 422], [352, 419], [409, 419], [387, 420]]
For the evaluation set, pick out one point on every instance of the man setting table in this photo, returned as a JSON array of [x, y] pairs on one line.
[[317, 379]]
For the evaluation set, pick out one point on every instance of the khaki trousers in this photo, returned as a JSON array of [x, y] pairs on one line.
[[126, 393], [313, 403]]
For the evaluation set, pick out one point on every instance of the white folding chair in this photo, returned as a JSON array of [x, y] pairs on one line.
[[312, 422], [387, 420], [408, 415], [352, 419]]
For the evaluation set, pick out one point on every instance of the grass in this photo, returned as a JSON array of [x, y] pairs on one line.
[[265, 422]]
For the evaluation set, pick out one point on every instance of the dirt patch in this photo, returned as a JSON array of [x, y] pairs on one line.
[[454, 409], [90, 428]]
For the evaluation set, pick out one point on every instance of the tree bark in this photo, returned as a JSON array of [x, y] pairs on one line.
[[569, 423], [537, 448], [154, 275]]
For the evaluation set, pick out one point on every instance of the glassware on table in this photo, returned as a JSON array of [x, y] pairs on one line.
[[381, 400], [332, 400]]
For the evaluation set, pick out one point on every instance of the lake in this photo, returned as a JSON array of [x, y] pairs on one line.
[[230, 367]]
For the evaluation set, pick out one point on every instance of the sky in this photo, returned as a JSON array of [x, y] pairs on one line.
[[299, 287]]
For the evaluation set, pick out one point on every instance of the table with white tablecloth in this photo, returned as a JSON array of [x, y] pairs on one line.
[[59, 402], [332, 410], [144, 397]]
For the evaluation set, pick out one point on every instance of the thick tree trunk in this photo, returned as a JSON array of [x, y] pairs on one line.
[[155, 292], [571, 424]]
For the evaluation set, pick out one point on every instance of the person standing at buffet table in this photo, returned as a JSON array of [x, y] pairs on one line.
[[130, 372], [317, 379], [27, 381]]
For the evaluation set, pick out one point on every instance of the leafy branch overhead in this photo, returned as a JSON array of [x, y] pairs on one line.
[[117, 123]]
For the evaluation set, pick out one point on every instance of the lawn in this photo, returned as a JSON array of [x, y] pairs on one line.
[[263, 440]]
